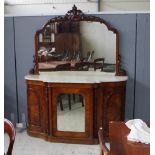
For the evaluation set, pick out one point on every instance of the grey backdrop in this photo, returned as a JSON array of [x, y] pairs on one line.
[[134, 30]]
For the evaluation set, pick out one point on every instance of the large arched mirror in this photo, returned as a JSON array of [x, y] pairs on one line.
[[66, 41]]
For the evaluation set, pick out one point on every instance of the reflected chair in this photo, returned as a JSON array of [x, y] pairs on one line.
[[10, 130], [63, 67], [109, 67], [89, 57], [82, 66], [99, 64], [69, 101], [119, 145]]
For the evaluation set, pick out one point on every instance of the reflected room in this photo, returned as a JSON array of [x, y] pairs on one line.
[[61, 43], [70, 113]]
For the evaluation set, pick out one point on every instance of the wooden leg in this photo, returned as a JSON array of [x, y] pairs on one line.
[[61, 105], [81, 100], [69, 101], [74, 98]]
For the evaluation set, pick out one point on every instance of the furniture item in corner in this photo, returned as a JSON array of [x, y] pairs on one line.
[[10, 130], [103, 102], [119, 145], [99, 64]]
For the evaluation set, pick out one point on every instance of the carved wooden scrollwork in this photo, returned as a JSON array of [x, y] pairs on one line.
[[74, 13]]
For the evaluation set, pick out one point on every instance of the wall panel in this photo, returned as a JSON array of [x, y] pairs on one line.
[[142, 87], [25, 29], [10, 98]]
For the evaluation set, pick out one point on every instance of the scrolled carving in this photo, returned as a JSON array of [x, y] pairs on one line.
[[74, 13]]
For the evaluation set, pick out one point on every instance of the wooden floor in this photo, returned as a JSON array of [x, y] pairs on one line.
[[26, 145]]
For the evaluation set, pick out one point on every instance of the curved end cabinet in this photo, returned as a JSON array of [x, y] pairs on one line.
[[103, 101]]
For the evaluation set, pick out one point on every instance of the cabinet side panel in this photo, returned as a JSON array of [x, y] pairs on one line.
[[34, 109], [113, 105], [36, 106]]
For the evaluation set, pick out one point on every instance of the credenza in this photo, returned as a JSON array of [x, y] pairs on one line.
[[103, 97]]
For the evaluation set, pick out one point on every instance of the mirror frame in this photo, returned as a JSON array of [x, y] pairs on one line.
[[77, 15]]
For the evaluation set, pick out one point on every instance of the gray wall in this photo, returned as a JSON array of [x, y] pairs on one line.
[[10, 94], [134, 50], [142, 77]]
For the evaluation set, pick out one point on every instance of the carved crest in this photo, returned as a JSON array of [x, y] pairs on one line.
[[74, 12]]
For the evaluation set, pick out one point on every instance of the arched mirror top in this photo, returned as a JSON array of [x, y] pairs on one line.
[[76, 39], [76, 15]]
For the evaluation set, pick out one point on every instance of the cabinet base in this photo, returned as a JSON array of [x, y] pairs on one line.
[[62, 139]]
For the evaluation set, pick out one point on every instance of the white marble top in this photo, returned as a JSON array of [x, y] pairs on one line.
[[76, 77]]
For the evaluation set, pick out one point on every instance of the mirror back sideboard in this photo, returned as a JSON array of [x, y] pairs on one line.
[[70, 106]]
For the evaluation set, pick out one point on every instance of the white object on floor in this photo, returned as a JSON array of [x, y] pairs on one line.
[[140, 132]]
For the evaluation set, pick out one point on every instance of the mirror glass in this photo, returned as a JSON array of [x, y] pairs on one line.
[[96, 37], [73, 42], [70, 113]]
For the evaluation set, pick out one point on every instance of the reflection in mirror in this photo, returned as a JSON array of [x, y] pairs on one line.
[[96, 37], [73, 42], [70, 113]]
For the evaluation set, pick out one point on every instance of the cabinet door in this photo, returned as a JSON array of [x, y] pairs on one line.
[[74, 122], [36, 106], [113, 104], [110, 101]]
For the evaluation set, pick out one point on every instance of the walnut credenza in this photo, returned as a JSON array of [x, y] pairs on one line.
[[104, 96]]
